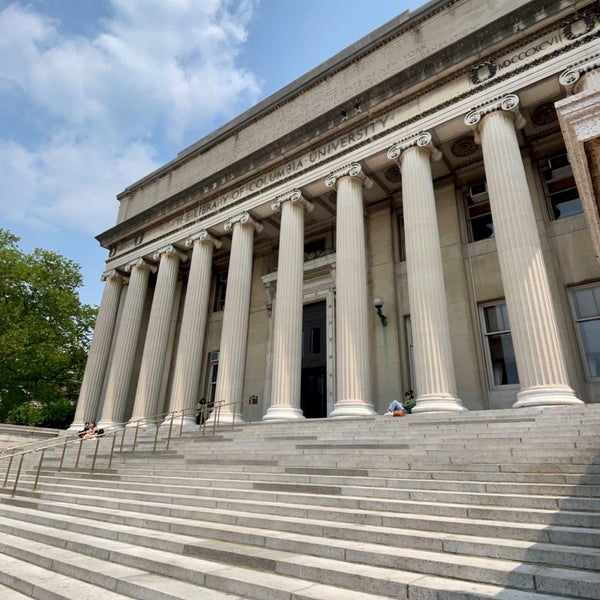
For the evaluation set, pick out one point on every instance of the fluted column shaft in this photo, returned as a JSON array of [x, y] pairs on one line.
[[234, 333], [287, 327], [353, 375], [99, 354], [188, 364], [539, 356], [149, 385], [432, 348], [117, 389]]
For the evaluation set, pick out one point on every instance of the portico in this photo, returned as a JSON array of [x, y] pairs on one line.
[[446, 197]]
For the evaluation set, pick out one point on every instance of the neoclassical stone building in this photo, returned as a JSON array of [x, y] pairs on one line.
[[420, 211]]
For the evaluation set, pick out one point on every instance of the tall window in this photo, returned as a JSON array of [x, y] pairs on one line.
[[561, 193], [479, 213], [499, 349], [586, 309], [213, 368], [220, 290]]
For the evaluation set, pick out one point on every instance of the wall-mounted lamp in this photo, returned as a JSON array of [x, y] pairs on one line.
[[378, 303]]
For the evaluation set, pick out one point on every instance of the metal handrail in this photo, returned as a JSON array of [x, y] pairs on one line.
[[112, 433]]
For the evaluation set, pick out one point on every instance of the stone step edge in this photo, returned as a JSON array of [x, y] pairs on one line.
[[245, 536], [527, 531], [96, 480], [295, 497], [386, 578]]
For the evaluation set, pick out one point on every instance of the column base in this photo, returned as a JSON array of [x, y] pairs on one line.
[[224, 418], [546, 396], [75, 428], [283, 413], [437, 403], [110, 425], [352, 408], [188, 423]]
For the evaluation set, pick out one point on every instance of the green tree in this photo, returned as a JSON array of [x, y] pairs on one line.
[[45, 332]]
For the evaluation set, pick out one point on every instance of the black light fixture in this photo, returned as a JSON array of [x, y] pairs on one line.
[[378, 303]]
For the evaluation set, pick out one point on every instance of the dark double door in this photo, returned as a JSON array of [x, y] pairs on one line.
[[313, 399]]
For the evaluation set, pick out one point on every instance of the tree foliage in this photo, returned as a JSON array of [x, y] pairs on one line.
[[45, 332]]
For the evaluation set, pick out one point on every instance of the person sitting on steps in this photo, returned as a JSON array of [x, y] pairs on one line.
[[398, 409]]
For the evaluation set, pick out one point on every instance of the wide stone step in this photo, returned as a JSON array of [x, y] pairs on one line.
[[156, 574], [312, 522], [365, 572], [508, 497], [41, 571], [330, 543], [380, 486], [285, 502]]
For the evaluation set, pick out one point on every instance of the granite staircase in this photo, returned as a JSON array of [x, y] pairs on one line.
[[495, 504]]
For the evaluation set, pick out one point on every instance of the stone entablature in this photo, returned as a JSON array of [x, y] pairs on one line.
[[196, 171], [354, 144]]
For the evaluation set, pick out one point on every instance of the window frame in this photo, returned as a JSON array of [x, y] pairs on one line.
[[469, 203], [485, 336], [544, 169], [595, 284]]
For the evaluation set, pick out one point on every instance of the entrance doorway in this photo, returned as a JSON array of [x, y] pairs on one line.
[[313, 400]]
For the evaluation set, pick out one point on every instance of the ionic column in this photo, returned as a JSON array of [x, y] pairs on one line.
[[432, 348], [234, 333], [148, 390], [539, 356], [584, 77], [188, 362], [119, 380], [287, 327], [352, 318], [95, 368]]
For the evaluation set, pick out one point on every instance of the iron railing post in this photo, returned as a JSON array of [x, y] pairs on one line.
[[39, 470], [14, 490]]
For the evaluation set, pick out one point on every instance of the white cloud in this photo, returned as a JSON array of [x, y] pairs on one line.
[[97, 113]]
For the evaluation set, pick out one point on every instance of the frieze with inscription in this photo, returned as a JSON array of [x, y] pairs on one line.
[[574, 28]]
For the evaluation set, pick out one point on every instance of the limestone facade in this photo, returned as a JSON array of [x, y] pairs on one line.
[[448, 165]]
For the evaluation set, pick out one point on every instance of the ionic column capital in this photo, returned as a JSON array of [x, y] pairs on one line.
[[420, 140], [243, 219], [570, 79], [139, 263], [111, 274], [170, 250], [508, 104], [294, 196], [204, 237], [351, 170]]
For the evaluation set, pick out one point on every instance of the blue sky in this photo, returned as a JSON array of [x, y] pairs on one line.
[[95, 94]]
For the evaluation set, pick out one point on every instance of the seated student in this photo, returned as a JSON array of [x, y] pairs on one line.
[[85, 429], [405, 407], [93, 431]]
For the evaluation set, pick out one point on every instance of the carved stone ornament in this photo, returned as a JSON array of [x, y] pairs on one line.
[[139, 263], [112, 274], [483, 71], [168, 250], [544, 114], [420, 140], [508, 103], [586, 21], [205, 237], [569, 78], [351, 170], [243, 219], [293, 196], [464, 147]]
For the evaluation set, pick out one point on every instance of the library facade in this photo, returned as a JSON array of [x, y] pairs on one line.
[[418, 212]]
